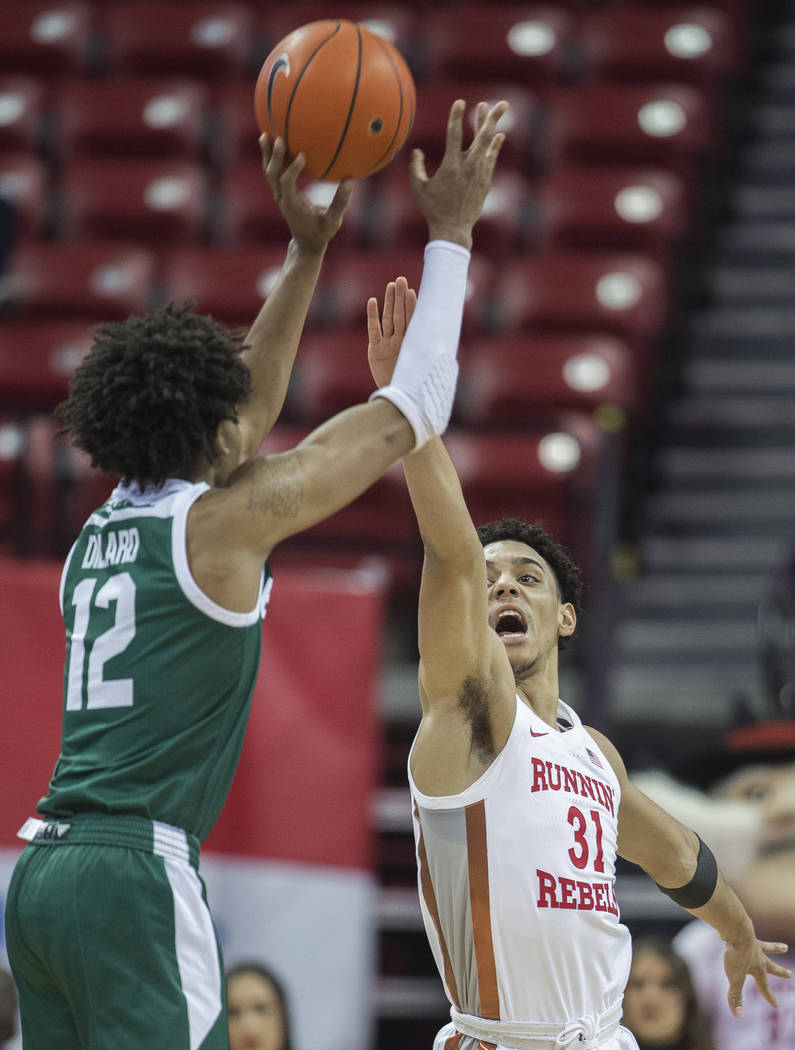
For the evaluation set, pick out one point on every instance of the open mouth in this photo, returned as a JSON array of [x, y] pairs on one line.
[[510, 625]]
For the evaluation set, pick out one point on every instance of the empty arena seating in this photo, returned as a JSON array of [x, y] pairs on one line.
[[152, 200], [205, 39], [128, 149], [622, 294], [529, 43], [24, 183], [44, 39], [639, 209], [95, 280], [21, 102], [230, 283], [690, 44], [37, 359], [131, 116], [507, 380]]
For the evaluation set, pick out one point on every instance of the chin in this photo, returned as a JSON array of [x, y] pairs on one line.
[[768, 892]]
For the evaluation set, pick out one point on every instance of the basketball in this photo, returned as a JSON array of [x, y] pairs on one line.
[[339, 93]]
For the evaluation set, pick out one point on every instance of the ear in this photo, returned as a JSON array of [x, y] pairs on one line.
[[567, 620], [225, 438]]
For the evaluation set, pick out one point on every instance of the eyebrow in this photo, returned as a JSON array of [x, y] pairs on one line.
[[519, 560]]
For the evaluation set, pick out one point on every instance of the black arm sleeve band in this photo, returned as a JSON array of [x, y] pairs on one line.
[[699, 890]]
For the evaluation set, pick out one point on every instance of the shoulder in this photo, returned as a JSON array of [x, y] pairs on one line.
[[610, 752]]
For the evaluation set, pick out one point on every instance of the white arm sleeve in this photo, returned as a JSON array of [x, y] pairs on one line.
[[423, 383]]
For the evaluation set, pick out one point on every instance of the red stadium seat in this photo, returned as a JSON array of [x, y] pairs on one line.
[[203, 39], [37, 360], [24, 182], [381, 522], [93, 280], [45, 39], [521, 122], [600, 208], [397, 22], [622, 295], [152, 200], [695, 45], [130, 116], [670, 126], [55, 487], [229, 283], [547, 475], [517, 380], [329, 375], [246, 211], [234, 132], [397, 221], [21, 111], [529, 43], [350, 278]]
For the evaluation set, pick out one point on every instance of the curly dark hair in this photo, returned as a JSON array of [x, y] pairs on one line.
[[567, 575], [147, 400]]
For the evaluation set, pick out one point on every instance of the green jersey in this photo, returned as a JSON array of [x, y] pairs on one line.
[[158, 678]]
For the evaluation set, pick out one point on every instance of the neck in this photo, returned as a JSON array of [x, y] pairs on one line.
[[537, 685]]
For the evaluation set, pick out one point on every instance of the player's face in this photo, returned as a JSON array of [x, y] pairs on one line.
[[523, 602], [255, 1014], [654, 1005], [766, 888]]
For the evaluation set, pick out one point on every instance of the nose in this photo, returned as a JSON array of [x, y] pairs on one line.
[[505, 585]]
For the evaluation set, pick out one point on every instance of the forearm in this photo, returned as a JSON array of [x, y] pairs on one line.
[[442, 516], [725, 912], [272, 340]]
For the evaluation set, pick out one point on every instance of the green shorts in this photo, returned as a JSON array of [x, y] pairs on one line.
[[110, 939]]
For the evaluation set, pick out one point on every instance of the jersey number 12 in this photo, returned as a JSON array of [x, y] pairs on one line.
[[116, 692]]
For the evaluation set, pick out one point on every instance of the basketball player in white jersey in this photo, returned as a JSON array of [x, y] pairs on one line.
[[519, 810]]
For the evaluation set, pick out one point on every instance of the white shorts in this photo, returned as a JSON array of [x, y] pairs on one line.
[[623, 1039]]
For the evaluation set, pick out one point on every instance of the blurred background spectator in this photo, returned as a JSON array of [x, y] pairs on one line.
[[259, 1017], [661, 1007]]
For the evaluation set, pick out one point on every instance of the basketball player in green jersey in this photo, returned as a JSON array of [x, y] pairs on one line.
[[163, 594]]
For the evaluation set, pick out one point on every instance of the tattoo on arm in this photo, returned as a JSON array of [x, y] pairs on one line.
[[278, 489]]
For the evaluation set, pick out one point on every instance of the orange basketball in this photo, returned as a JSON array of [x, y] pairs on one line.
[[341, 94]]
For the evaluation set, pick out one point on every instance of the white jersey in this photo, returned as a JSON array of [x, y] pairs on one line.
[[760, 1026], [516, 877]]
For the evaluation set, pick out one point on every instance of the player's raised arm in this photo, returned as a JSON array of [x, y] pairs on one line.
[[272, 340], [263, 501], [684, 867]]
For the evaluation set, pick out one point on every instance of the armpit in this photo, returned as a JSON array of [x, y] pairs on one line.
[[277, 487], [473, 700]]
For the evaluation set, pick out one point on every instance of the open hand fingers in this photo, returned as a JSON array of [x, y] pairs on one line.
[[455, 127], [373, 323], [340, 201], [388, 315], [486, 121]]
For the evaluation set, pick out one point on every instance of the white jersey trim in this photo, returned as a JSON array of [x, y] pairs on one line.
[[190, 588]]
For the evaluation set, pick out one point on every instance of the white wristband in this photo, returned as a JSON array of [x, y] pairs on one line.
[[424, 380]]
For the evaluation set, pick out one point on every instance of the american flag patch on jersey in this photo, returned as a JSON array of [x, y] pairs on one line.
[[594, 757]]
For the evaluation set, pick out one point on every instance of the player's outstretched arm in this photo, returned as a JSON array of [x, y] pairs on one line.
[[454, 638], [684, 868], [272, 340]]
